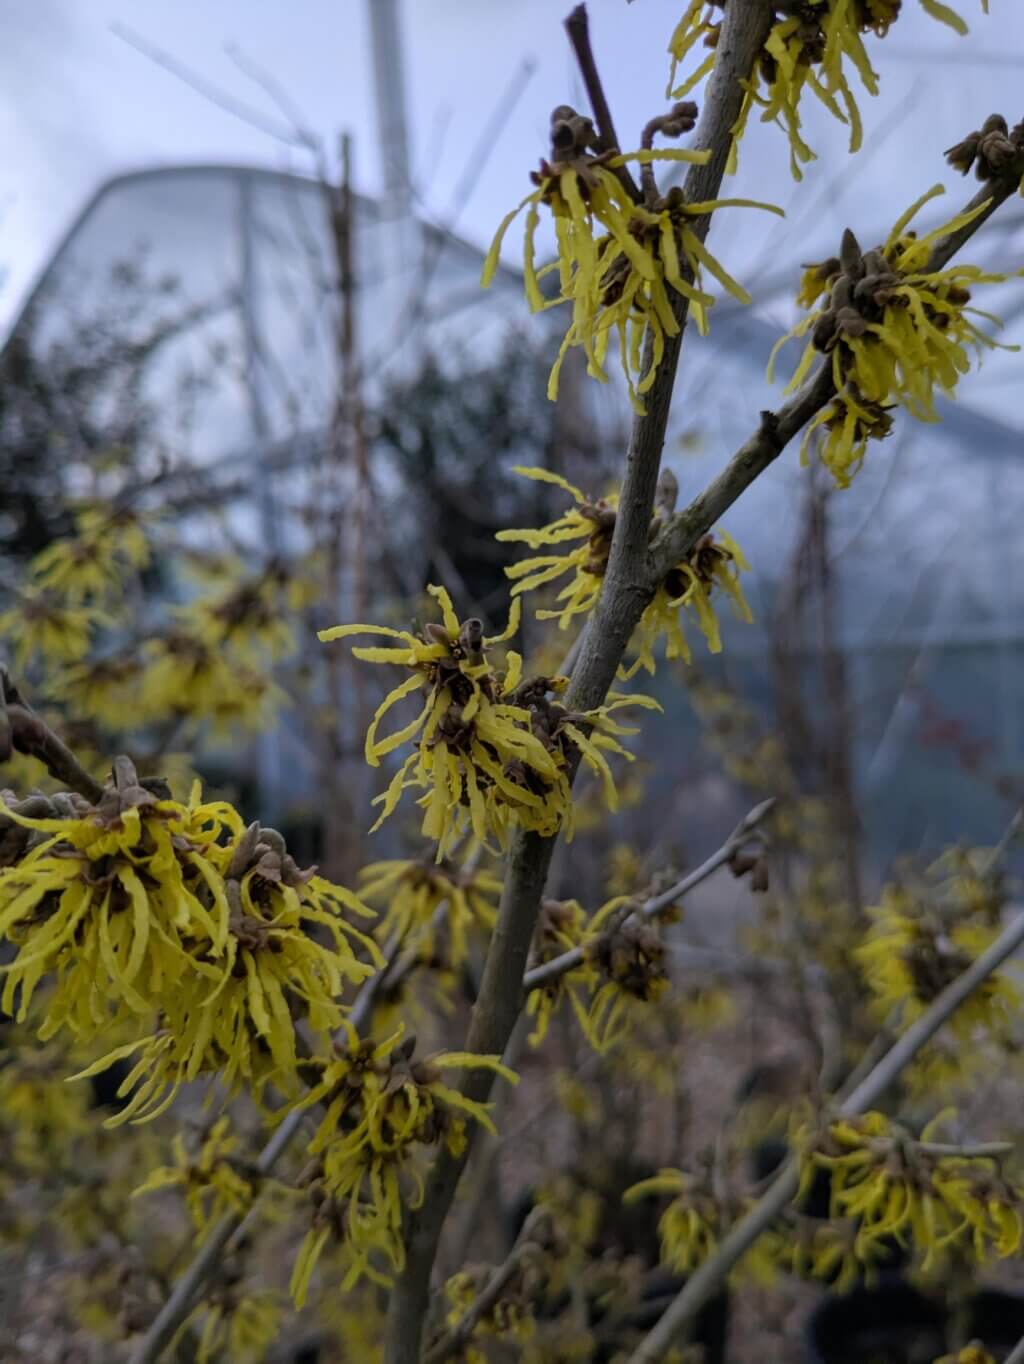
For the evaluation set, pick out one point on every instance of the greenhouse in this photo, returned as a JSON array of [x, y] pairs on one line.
[[235, 270]]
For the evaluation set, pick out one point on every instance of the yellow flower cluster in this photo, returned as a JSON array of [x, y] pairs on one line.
[[41, 1118], [208, 664], [239, 1327], [247, 615], [491, 750], [414, 892], [691, 1225], [382, 1108], [212, 663], [41, 625], [61, 1167], [141, 907], [623, 266], [896, 1187], [70, 586], [814, 46], [832, 1251], [922, 937], [214, 1180], [893, 332], [974, 1353], [715, 564], [88, 565], [623, 969], [508, 1320], [190, 678]]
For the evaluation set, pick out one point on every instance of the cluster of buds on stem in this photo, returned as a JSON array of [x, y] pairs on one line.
[[991, 150]]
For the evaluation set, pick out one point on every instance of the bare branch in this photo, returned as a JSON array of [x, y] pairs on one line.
[[568, 961], [292, 137], [22, 730], [452, 1341], [578, 28], [981, 1150], [273, 88]]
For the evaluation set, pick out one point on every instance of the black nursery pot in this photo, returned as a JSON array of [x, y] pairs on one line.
[[890, 1323], [895, 1324], [997, 1320]]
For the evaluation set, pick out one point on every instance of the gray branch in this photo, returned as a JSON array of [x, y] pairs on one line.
[[453, 1340], [23, 731], [740, 836]]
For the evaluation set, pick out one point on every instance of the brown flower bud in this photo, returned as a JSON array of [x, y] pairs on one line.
[[851, 322], [471, 636], [824, 332], [850, 256], [994, 148], [435, 634]]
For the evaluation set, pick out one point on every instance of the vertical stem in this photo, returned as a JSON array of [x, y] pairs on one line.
[[627, 590]]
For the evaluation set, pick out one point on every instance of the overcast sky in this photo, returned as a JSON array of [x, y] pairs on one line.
[[78, 104]]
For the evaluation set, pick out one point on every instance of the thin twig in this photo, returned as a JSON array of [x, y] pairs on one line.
[[292, 137], [24, 731], [288, 108], [712, 1273], [578, 28], [568, 961], [453, 1340], [982, 1150]]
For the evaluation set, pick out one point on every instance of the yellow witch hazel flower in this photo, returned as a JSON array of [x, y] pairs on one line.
[[382, 1109], [691, 1225], [974, 1353], [893, 332], [413, 891], [832, 1251], [89, 564], [246, 613], [215, 1178], [897, 1187], [623, 969], [188, 676], [41, 1118], [43, 625], [714, 565], [105, 900], [491, 750], [141, 907], [814, 46], [917, 945], [509, 1320], [232, 1012], [106, 689], [624, 265], [240, 1326]]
